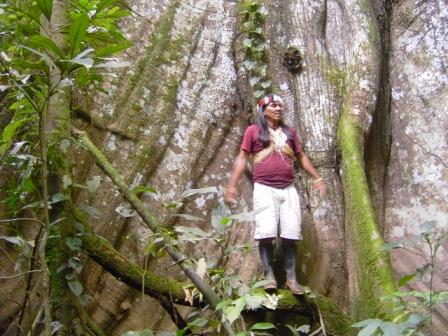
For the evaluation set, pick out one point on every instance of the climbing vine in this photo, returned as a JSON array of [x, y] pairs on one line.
[[252, 16]]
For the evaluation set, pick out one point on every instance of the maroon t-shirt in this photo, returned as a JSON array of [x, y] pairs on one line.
[[277, 169]]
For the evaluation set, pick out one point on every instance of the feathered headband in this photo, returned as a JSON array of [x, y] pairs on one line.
[[266, 100]]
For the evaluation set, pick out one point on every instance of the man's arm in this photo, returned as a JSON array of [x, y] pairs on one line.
[[306, 164], [238, 169]]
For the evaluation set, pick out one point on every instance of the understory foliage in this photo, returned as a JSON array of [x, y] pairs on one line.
[[49, 50], [414, 308]]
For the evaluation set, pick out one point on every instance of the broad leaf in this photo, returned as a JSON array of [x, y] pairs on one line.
[[103, 4], [390, 329], [86, 62], [124, 210], [262, 326], [40, 41], [77, 32], [17, 240], [93, 184], [369, 326], [254, 80], [139, 189], [45, 57], [219, 212], [113, 64], [74, 243], [404, 280], [258, 94], [8, 134], [188, 217], [247, 216], [233, 312], [76, 287], [91, 211], [190, 192], [101, 52], [364, 323]]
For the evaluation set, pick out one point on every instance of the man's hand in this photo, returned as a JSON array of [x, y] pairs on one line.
[[321, 187], [231, 194]]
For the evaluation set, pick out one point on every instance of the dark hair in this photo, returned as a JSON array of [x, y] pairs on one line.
[[263, 133]]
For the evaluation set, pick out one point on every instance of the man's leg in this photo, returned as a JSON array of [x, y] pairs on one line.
[[266, 249], [290, 259]]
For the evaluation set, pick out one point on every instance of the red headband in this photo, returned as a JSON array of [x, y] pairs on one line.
[[266, 100]]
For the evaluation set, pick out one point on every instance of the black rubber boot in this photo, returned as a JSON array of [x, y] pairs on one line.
[[267, 257], [289, 248]]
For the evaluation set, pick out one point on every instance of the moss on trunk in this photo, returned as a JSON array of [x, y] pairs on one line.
[[375, 272]]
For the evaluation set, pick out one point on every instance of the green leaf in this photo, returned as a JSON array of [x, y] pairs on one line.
[[74, 243], [370, 328], [103, 4], [266, 84], [139, 189], [192, 231], [8, 134], [198, 322], [17, 240], [93, 184], [247, 216], [188, 217], [249, 65], [87, 62], [233, 312], [190, 192], [40, 41], [364, 323], [113, 64], [404, 280], [254, 301], [389, 329], [46, 7], [124, 210], [390, 246], [77, 32], [64, 145], [58, 197], [260, 283], [258, 94], [247, 42], [220, 211], [91, 211], [66, 181], [45, 57], [76, 264], [76, 287], [110, 50], [254, 80], [223, 304]]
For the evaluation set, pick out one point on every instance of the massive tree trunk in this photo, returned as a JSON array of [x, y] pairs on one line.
[[373, 71]]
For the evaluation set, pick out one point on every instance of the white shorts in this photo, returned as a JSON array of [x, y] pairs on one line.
[[281, 206]]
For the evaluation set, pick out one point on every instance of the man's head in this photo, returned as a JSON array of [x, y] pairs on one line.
[[270, 114], [270, 110], [268, 99]]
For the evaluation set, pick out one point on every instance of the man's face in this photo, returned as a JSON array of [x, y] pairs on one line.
[[274, 112]]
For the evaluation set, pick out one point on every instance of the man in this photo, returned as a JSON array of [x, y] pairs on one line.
[[274, 147]]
